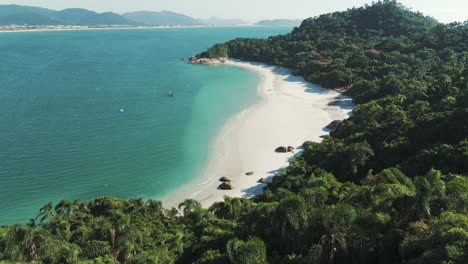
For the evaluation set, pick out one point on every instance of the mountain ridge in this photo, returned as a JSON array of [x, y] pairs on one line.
[[161, 18], [29, 15]]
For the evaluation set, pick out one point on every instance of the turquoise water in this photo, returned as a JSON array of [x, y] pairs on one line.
[[62, 135]]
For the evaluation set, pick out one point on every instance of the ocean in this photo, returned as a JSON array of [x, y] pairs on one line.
[[63, 134]]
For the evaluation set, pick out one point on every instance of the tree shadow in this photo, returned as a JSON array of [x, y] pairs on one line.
[[342, 102], [287, 75]]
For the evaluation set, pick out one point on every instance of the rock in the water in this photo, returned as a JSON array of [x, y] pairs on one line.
[[193, 58], [249, 173], [225, 179], [281, 149], [262, 180], [334, 124], [226, 186], [290, 149]]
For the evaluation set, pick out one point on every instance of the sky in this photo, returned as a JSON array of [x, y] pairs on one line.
[[251, 10]]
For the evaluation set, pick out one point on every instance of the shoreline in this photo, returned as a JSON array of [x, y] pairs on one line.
[[290, 112], [120, 28]]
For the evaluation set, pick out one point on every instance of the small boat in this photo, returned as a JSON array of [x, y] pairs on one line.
[[122, 110], [171, 93]]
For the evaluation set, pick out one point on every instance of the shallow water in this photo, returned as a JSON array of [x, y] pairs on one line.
[[62, 135]]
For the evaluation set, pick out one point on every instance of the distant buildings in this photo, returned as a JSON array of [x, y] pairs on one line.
[[39, 27]]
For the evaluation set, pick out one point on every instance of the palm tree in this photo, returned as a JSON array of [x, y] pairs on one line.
[[337, 221], [65, 208], [230, 208], [217, 209], [153, 207], [189, 206], [259, 215], [135, 205], [418, 206], [31, 223], [47, 211], [71, 253], [21, 243], [251, 252]]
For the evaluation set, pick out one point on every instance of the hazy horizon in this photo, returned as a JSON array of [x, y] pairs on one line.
[[453, 10]]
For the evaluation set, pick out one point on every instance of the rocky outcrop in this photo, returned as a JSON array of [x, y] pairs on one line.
[[207, 61], [249, 173], [334, 124], [290, 149], [226, 186], [281, 149], [225, 179], [262, 180]]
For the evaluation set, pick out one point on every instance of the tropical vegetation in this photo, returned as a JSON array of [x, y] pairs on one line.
[[389, 185]]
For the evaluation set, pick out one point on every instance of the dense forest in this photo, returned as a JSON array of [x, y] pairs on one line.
[[389, 185]]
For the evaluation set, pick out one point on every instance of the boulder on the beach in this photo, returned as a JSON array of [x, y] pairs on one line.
[[262, 180], [290, 149], [334, 124], [249, 173], [193, 58], [226, 186], [304, 145], [281, 149], [225, 179]]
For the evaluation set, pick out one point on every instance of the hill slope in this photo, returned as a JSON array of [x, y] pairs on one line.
[[14, 14], [389, 185], [163, 18], [77, 16], [280, 22]]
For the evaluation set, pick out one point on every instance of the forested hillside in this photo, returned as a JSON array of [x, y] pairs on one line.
[[389, 185]]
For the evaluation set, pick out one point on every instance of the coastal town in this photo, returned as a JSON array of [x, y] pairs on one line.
[[40, 27]]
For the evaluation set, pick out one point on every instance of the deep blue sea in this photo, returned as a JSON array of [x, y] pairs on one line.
[[62, 135]]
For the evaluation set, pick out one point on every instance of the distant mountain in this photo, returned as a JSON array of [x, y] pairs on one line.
[[77, 16], [162, 18], [14, 14], [20, 15], [280, 22], [29, 18], [29, 15], [214, 21], [8, 10]]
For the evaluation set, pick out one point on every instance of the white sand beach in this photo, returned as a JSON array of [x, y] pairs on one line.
[[291, 112]]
